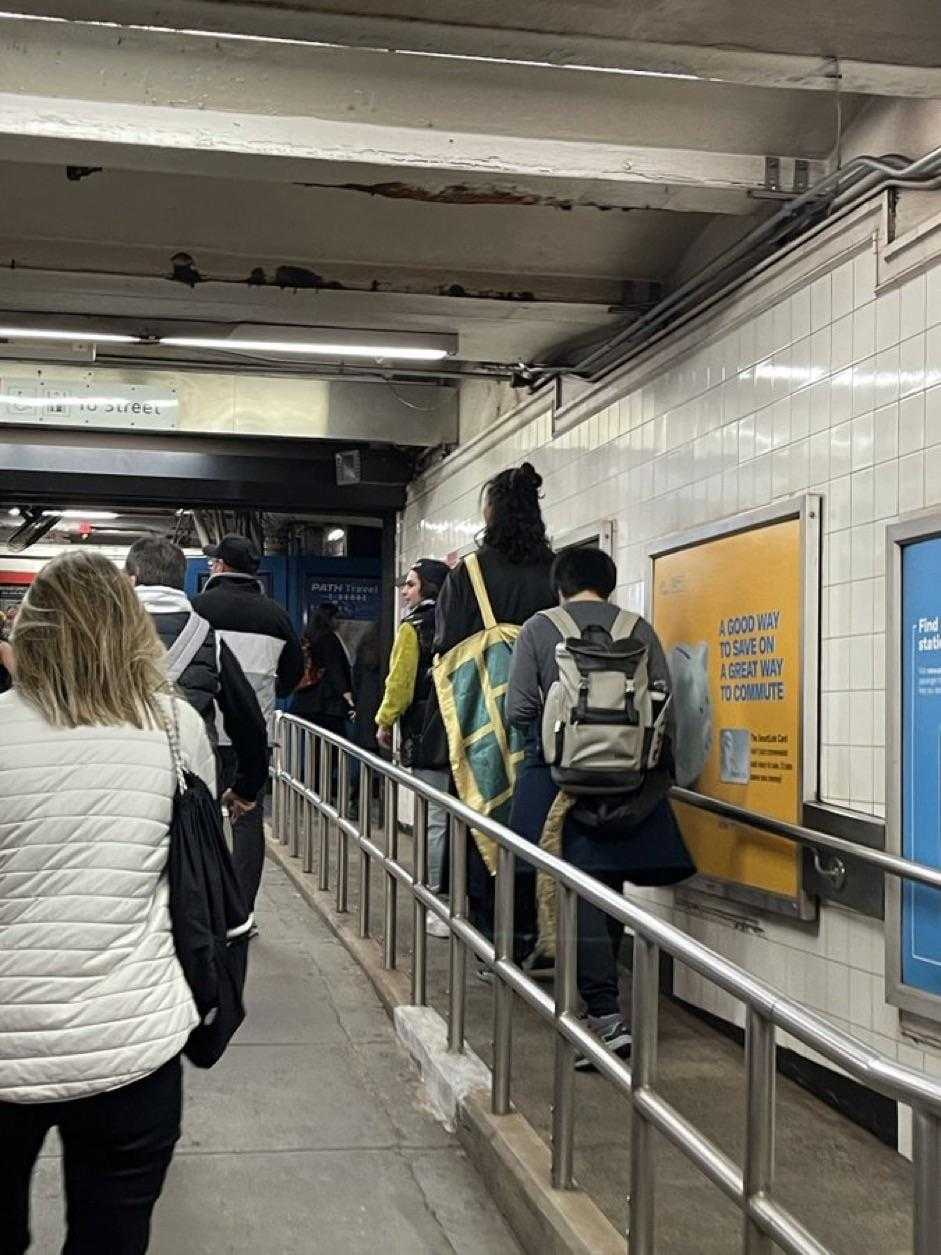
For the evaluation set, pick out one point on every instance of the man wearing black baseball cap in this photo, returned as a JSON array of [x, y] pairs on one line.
[[260, 634], [235, 553]]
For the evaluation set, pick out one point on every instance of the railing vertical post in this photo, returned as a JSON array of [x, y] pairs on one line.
[[419, 910], [563, 1089], [313, 827], [502, 993], [343, 841], [285, 833], [645, 1010], [323, 792], [365, 830], [458, 956], [390, 886], [276, 806], [300, 806], [926, 1162], [758, 1169]]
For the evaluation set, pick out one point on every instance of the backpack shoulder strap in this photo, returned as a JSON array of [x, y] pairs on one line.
[[560, 619], [186, 646], [472, 566], [623, 626]]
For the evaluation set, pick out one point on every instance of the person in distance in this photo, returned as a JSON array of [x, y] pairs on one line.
[[408, 692], [205, 670], [261, 636]]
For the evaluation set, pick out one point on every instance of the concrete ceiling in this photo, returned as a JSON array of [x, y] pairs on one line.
[[520, 205]]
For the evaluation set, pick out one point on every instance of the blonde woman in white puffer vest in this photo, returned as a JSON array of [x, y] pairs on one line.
[[94, 1008]]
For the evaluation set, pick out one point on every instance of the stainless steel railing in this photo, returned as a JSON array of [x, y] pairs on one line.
[[308, 817]]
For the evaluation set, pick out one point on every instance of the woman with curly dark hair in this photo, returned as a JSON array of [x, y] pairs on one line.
[[508, 575], [514, 556]]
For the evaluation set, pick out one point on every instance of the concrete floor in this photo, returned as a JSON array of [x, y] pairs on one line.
[[851, 1191], [311, 1134]]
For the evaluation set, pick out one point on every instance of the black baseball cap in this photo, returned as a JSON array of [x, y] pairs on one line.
[[236, 552]]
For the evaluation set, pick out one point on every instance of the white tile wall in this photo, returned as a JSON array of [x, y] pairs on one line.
[[832, 390]]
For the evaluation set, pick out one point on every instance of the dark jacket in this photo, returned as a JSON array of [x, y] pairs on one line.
[[413, 722], [215, 685], [367, 689], [260, 634], [329, 662], [516, 592]]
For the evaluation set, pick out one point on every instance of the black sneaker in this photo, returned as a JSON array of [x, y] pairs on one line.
[[616, 1038]]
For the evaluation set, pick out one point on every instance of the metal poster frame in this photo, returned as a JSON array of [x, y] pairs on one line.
[[807, 509], [602, 530], [920, 525]]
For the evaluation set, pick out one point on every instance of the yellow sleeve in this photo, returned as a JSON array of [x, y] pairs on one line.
[[400, 682]]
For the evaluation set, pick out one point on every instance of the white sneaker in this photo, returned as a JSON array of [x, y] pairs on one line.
[[436, 927]]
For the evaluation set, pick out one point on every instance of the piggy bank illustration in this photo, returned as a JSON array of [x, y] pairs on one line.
[[692, 711]]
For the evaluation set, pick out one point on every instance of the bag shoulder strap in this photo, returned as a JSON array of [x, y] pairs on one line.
[[472, 566], [186, 646], [172, 729], [623, 626], [560, 619]]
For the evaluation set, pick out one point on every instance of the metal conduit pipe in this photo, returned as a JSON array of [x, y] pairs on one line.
[[839, 189], [882, 169]]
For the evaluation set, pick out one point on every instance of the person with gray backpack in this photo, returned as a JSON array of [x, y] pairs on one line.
[[202, 667], [590, 689]]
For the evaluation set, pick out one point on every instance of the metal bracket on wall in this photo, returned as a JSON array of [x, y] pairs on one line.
[[844, 880]]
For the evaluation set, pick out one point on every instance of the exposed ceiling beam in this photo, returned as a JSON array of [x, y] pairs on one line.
[[116, 127], [724, 55]]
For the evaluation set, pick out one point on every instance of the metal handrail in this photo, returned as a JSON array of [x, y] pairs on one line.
[[305, 816], [891, 864]]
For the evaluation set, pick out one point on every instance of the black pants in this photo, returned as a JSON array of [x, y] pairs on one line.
[[248, 832], [480, 898], [116, 1150], [599, 942]]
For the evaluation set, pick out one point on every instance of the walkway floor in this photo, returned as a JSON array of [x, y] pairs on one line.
[[310, 1135]]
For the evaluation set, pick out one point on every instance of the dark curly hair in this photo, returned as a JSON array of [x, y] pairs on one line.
[[516, 526]]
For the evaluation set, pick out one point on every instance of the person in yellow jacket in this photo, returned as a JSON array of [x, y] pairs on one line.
[[409, 701]]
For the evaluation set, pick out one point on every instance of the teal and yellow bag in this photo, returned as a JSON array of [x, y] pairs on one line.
[[471, 681]]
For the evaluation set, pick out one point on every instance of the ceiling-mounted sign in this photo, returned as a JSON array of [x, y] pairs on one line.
[[85, 403], [735, 607]]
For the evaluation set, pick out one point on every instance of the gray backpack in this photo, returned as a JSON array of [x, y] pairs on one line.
[[604, 723]]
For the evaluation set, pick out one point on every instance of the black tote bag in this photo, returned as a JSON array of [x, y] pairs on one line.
[[207, 912]]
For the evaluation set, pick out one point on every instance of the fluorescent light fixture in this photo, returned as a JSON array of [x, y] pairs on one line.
[[75, 337], [308, 348], [337, 533], [15, 512], [87, 515]]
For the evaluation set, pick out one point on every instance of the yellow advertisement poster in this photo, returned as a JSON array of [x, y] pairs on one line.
[[729, 614]]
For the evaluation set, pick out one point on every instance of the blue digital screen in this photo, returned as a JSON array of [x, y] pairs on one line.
[[921, 758]]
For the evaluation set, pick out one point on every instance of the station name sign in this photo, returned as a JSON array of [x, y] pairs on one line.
[[88, 403]]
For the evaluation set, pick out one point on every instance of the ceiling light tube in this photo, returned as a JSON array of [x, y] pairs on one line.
[[311, 348], [75, 337], [87, 515], [336, 534]]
